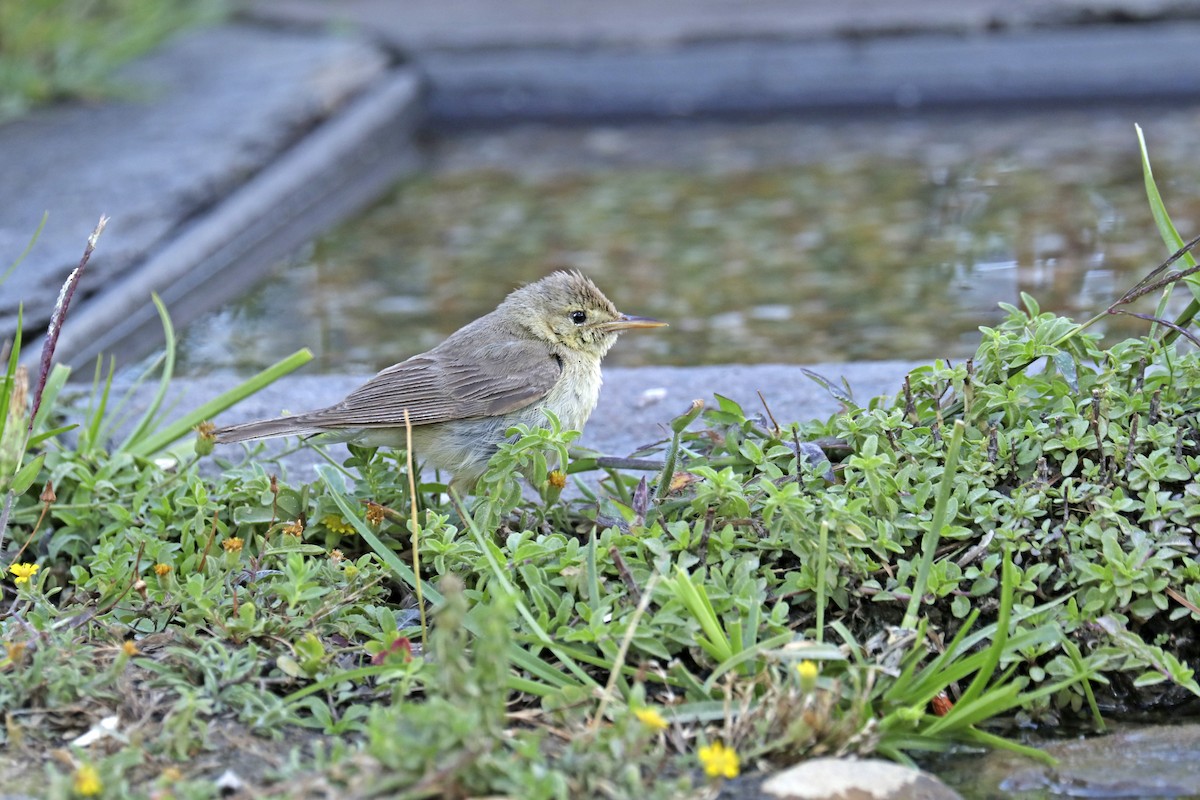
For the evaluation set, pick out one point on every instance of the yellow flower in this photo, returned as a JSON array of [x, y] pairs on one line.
[[15, 651], [130, 648], [808, 671], [87, 781], [23, 572], [557, 478], [336, 524], [205, 438], [719, 760], [233, 544], [162, 569], [651, 719], [293, 528]]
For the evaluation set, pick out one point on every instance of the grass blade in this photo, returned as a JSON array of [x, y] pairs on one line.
[[185, 424], [1171, 238], [32, 240], [134, 442], [1162, 220], [929, 541]]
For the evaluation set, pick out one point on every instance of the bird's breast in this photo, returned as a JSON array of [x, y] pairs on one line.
[[574, 396]]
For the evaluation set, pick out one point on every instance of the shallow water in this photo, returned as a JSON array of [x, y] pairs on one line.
[[785, 241], [1134, 761]]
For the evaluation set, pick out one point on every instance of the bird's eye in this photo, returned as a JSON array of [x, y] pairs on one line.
[[578, 317]]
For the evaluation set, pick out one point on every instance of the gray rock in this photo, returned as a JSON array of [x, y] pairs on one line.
[[749, 76], [1132, 762], [423, 25], [332, 173], [196, 119], [545, 59], [855, 779]]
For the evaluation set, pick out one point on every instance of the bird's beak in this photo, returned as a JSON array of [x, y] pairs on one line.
[[625, 322]]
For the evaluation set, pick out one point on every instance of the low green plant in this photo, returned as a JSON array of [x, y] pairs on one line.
[[52, 50]]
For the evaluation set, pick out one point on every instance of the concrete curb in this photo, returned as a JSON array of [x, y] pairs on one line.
[[191, 163], [541, 59], [353, 158], [772, 76]]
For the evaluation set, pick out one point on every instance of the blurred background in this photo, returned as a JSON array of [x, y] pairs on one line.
[[790, 182]]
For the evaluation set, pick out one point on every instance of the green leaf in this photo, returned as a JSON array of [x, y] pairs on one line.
[[1166, 228], [729, 406], [1065, 363], [187, 423], [26, 474]]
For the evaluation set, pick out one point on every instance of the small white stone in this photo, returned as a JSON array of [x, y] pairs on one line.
[[863, 779], [650, 396], [103, 729]]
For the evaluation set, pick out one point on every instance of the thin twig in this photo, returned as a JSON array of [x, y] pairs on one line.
[[770, 416], [1131, 448], [212, 536], [635, 591], [617, 462], [1191, 337], [1144, 286], [132, 580], [1183, 601], [47, 498]]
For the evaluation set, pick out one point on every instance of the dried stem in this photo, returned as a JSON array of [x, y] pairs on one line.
[[56, 320], [60, 315]]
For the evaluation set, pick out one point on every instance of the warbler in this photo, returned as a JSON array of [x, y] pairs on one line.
[[539, 350]]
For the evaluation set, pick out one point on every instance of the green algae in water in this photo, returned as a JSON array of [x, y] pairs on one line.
[[862, 259]]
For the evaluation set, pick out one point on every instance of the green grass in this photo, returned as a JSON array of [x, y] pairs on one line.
[[55, 50], [999, 542]]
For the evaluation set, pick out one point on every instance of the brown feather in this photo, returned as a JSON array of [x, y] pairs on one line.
[[450, 382]]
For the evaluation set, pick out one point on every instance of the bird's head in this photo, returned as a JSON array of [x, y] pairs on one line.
[[567, 309]]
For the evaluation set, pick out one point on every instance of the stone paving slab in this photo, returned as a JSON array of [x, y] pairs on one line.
[[758, 77], [421, 26], [541, 59], [197, 119], [334, 172]]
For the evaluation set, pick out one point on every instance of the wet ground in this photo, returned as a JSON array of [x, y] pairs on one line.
[[1133, 762]]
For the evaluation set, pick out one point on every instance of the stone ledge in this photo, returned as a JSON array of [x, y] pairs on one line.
[[337, 170], [635, 409], [547, 59], [198, 119], [770, 76], [422, 26]]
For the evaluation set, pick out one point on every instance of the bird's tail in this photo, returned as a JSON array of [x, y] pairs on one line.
[[264, 429]]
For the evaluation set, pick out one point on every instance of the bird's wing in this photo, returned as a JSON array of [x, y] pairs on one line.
[[443, 385]]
